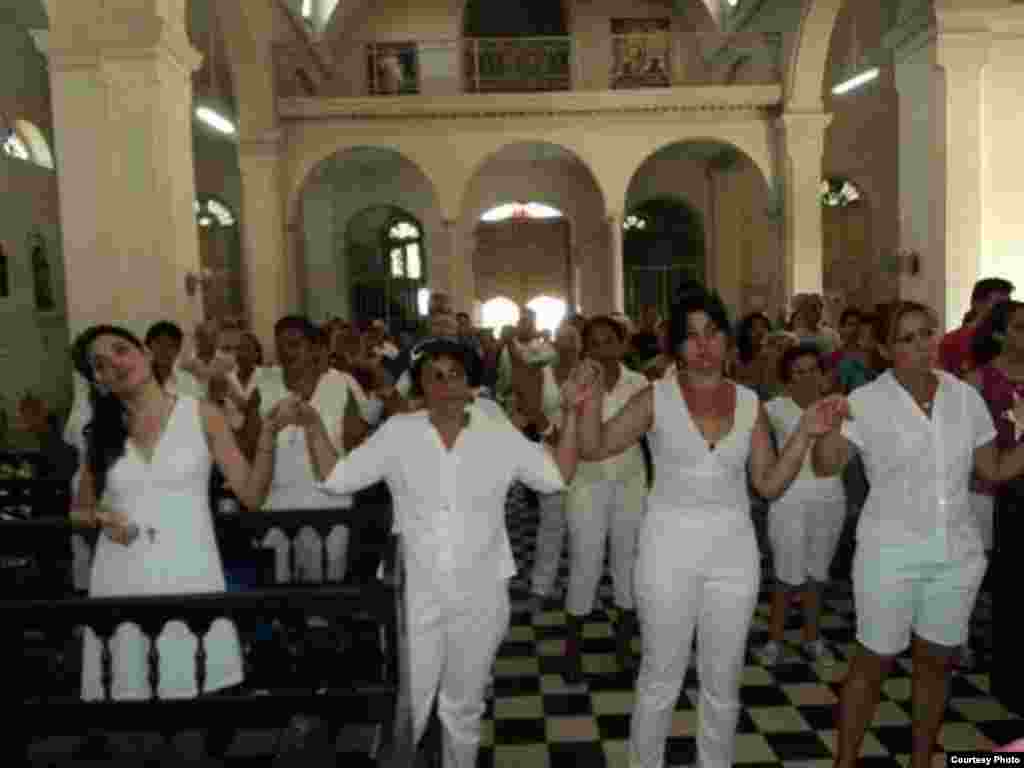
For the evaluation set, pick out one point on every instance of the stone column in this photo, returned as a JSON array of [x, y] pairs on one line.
[[462, 280], [617, 286], [270, 259], [122, 105], [804, 145], [959, 223]]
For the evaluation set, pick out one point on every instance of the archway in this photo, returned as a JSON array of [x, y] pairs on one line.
[[386, 265], [375, 188], [711, 210], [561, 253]]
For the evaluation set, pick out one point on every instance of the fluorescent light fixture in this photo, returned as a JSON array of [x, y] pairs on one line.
[[215, 120], [856, 81]]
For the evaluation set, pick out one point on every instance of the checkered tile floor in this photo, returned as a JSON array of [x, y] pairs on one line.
[[534, 720]]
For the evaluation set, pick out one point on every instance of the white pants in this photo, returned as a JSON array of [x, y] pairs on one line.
[[596, 512], [702, 574], [453, 641], [308, 555], [983, 508], [547, 553], [81, 562], [804, 535]]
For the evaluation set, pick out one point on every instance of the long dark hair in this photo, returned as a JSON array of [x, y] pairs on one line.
[[107, 433]]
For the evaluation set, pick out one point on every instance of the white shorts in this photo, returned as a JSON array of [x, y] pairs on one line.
[[803, 537], [896, 591], [983, 509]]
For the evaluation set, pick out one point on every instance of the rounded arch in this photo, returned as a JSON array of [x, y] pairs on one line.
[[808, 54], [338, 187], [721, 198]]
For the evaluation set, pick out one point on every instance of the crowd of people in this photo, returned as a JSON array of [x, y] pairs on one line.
[[662, 440]]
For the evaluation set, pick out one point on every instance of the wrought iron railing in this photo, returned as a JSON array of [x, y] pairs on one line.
[[516, 64]]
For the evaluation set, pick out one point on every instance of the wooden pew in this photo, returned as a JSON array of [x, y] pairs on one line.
[[374, 693]]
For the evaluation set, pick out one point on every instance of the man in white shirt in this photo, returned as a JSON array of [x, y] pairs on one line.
[[449, 468]]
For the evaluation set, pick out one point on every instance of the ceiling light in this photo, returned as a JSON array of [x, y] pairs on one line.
[[856, 81], [215, 120]]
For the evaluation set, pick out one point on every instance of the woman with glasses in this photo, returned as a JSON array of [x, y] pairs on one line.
[[920, 557]]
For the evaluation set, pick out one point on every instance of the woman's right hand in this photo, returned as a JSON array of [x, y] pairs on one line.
[[117, 527]]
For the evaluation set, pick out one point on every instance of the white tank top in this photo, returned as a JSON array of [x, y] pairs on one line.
[[690, 477]]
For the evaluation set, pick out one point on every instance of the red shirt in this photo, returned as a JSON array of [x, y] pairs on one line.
[[955, 351]]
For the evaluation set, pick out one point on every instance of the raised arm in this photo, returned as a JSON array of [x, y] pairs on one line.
[[249, 481], [600, 440], [772, 474]]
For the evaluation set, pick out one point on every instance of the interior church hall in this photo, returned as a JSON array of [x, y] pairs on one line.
[[511, 383]]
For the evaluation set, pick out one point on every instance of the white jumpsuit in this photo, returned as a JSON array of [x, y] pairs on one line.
[[606, 502], [697, 567]]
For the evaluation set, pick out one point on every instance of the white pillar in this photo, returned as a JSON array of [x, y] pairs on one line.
[[962, 57], [272, 274], [122, 103], [804, 142], [617, 287]]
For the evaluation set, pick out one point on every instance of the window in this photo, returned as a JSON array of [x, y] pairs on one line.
[[213, 213], [405, 250], [550, 312], [839, 193], [499, 312], [507, 211], [635, 222], [15, 147]]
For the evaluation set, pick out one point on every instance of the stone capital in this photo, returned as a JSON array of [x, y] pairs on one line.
[[963, 53], [86, 32]]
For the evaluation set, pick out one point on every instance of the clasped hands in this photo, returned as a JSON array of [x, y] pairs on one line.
[[292, 411]]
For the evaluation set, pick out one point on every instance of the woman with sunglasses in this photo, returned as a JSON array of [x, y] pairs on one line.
[[449, 467], [920, 557]]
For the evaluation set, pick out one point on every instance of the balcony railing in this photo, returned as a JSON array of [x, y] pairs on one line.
[[516, 64]]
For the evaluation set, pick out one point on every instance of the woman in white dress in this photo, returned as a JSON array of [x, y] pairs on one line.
[[697, 564], [920, 557], [449, 468], [145, 484]]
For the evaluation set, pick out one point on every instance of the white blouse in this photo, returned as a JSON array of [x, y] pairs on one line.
[[919, 469], [449, 505]]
